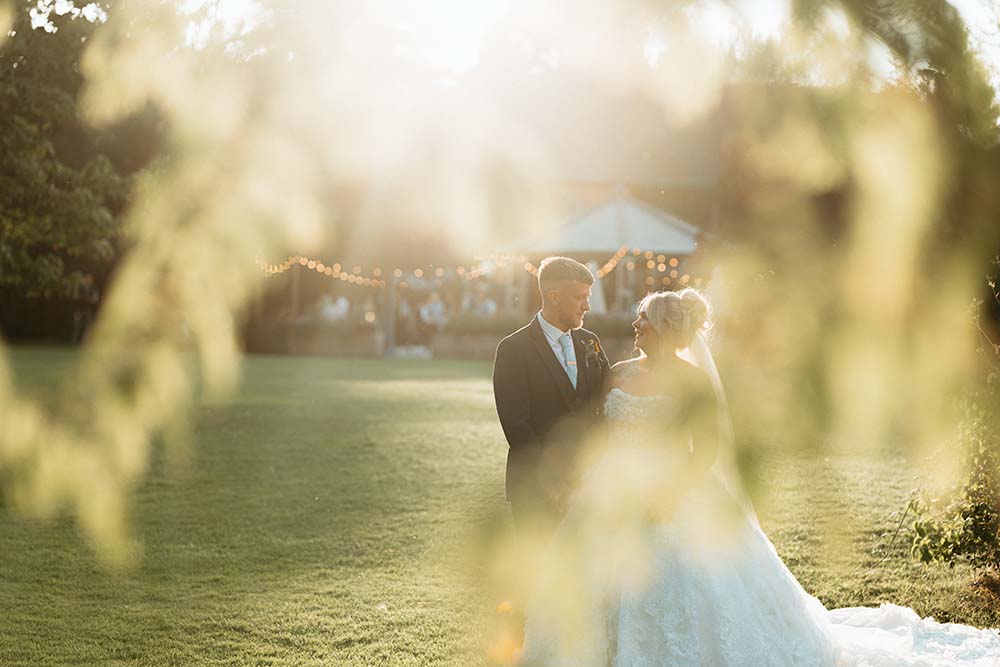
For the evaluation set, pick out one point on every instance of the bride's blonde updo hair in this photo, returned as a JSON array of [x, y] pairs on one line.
[[677, 316]]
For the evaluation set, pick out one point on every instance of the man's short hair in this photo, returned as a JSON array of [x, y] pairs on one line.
[[555, 270]]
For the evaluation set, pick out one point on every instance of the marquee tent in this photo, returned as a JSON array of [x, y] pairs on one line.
[[620, 222]]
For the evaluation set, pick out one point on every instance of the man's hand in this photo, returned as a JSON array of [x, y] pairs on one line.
[[558, 492]]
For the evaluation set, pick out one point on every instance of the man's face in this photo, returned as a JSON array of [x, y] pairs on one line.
[[572, 301]]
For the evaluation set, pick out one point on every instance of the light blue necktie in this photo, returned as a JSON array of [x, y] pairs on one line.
[[568, 363]]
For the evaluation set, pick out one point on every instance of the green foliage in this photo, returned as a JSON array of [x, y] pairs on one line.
[[60, 199], [967, 525], [932, 43], [813, 186]]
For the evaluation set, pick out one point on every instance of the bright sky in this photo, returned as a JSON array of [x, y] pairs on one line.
[[983, 19], [449, 33], [454, 42], [720, 22], [232, 17], [91, 11], [445, 33]]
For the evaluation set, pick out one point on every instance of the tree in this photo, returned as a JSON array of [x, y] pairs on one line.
[[61, 196]]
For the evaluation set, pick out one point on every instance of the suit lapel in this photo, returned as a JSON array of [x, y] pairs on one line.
[[551, 364], [582, 371]]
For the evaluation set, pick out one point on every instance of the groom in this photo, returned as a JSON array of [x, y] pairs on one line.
[[548, 379]]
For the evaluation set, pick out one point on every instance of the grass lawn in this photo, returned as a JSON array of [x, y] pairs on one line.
[[327, 516]]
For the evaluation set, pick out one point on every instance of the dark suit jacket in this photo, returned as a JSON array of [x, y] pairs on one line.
[[538, 408]]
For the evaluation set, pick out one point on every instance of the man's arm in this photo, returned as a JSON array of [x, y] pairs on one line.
[[510, 392]]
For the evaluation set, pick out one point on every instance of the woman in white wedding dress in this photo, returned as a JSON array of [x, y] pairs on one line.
[[660, 560]]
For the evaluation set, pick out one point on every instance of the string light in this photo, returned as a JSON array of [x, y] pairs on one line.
[[321, 268], [472, 274], [610, 265], [500, 260]]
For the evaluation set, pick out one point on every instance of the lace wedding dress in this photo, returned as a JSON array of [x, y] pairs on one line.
[[626, 587]]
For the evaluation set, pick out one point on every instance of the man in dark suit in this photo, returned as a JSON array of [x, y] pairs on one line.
[[548, 382]]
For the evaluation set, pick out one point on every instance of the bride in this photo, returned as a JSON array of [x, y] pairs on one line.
[[660, 560]]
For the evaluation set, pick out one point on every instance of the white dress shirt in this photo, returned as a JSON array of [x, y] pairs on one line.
[[552, 335]]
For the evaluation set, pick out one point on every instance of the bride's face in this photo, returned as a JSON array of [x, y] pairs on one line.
[[645, 335]]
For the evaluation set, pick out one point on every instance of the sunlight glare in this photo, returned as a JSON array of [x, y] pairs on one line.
[[881, 62], [715, 22], [654, 47], [983, 20], [729, 26], [6, 21], [448, 34], [765, 18], [234, 18]]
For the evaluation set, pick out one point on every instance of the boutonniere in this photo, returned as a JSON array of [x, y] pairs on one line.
[[592, 350]]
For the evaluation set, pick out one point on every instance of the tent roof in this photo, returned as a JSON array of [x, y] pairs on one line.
[[621, 221]]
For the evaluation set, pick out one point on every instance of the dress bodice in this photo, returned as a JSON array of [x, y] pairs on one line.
[[627, 409]]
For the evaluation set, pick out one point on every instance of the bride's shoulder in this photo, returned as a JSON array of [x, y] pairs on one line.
[[628, 376], [626, 367]]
